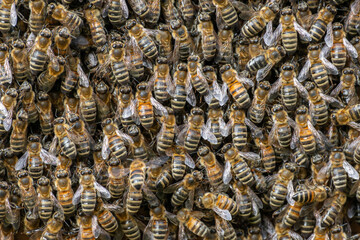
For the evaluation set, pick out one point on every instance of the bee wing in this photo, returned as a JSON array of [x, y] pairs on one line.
[[57, 204], [124, 9], [350, 48], [216, 91], [181, 136], [275, 88], [48, 158], [30, 40], [218, 226], [95, 227], [83, 79], [262, 73], [158, 106], [320, 138], [227, 176], [13, 15], [103, 191], [324, 171], [173, 187], [270, 37], [351, 171], [254, 129], [189, 161], [255, 198], [332, 100], [246, 12], [21, 162], [227, 128], [251, 156], [208, 135], [304, 35], [295, 138], [77, 195], [352, 210], [53, 146], [295, 236], [190, 96], [302, 90], [7, 69], [335, 92], [223, 130], [329, 39], [189, 203], [8, 121], [147, 234], [225, 214], [224, 95], [273, 133], [105, 151], [353, 144], [246, 81], [170, 86], [304, 73], [124, 136], [354, 188], [290, 193], [4, 110]]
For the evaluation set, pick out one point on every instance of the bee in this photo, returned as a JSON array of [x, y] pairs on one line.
[[46, 200], [140, 7], [47, 79], [337, 232], [257, 23], [224, 229], [218, 96], [65, 193], [145, 105], [283, 185], [67, 18], [87, 103], [27, 190], [40, 52], [312, 194], [19, 133], [128, 225], [184, 189], [255, 47], [113, 141], [280, 133], [339, 169], [321, 23], [125, 105], [225, 51], [88, 226], [235, 160], [221, 204], [191, 220], [37, 16], [53, 227], [158, 226], [5, 208], [188, 12], [163, 39], [227, 12], [262, 64], [139, 147], [71, 79], [20, 63], [346, 86], [235, 85], [105, 218], [103, 100], [208, 37], [118, 63], [117, 178], [5, 68], [118, 12], [8, 15], [166, 134], [182, 93], [142, 39], [87, 191], [153, 15], [242, 51], [333, 209], [216, 125], [62, 41], [7, 105], [352, 21], [135, 58], [184, 45], [170, 12], [257, 109], [80, 136], [288, 29], [197, 78], [71, 106], [46, 115], [92, 16], [238, 126], [348, 116], [267, 152], [61, 131], [161, 79], [10, 160], [35, 157], [302, 13], [179, 160]]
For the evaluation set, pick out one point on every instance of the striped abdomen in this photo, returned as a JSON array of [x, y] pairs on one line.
[[68, 147], [179, 98], [88, 110], [354, 112], [69, 82], [355, 156], [197, 227], [160, 229], [245, 206], [83, 147], [331, 214], [320, 113], [339, 177], [47, 235], [133, 200], [268, 158], [45, 208], [160, 88], [165, 138], [229, 15], [300, 157], [199, 85], [88, 201], [146, 114], [65, 200], [284, 135], [240, 94], [29, 198], [130, 229], [35, 167], [239, 135], [2, 211], [36, 21], [317, 30], [320, 76], [139, 7], [117, 147], [227, 203], [18, 142], [179, 196], [278, 195], [307, 140], [120, 72], [137, 178], [114, 13], [209, 46], [5, 18], [242, 172], [178, 166], [5, 78], [116, 187], [184, 49], [257, 111], [46, 123], [164, 179], [107, 221], [215, 129], [304, 196], [137, 65], [357, 214], [338, 55], [289, 40], [38, 61], [97, 33], [20, 71], [352, 27], [292, 215], [256, 63], [289, 96], [148, 47], [308, 225], [73, 22], [192, 139], [253, 26]]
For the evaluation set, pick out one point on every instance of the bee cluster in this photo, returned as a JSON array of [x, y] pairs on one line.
[[179, 119]]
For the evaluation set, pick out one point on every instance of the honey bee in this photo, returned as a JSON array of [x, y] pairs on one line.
[[118, 63], [339, 46], [87, 191], [257, 23], [81, 137], [225, 13], [5, 68], [184, 45], [5, 208], [10, 160], [218, 96], [92, 16], [257, 109], [67, 146], [352, 21], [40, 52], [179, 160], [19, 133], [46, 115], [280, 133], [302, 13], [158, 226], [221, 204], [27, 190], [71, 106], [312, 194], [87, 103], [163, 39], [322, 23], [103, 100], [225, 50], [7, 105], [185, 189], [37, 16], [140, 7], [142, 39], [46, 200], [166, 134], [53, 227], [262, 64], [214, 170], [348, 116], [216, 125], [188, 11], [67, 18], [65, 193], [105, 218], [267, 152], [224, 229], [287, 29], [62, 41], [35, 157], [128, 224], [208, 37], [20, 63], [242, 51], [333, 208], [197, 78], [139, 147], [255, 47], [235, 160], [346, 86], [47, 79], [191, 220], [117, 178], [161, 80], [125, 105], [118, 12], [8, 15]]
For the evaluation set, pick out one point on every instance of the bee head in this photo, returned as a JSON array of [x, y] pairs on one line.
[[203, 151]]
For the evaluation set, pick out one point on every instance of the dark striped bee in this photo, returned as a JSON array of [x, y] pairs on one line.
[[128, 224], [46, 115], [166, 134], [46, 80], [19, 59], [27, 190], [184, 44], [179, 160], [257, 109], [80, 136], [221, 204], [65, 193], [5, 208], [47, 202], [7, 105], [118, 12], [93, 17], [208, 37], [62, 136], [118, 63], [105, 218], [225, 49], [158, 226], [322, 23], [37, 16], [53, 227], [161, 80], [8, 15], [346, 87], [87, 192], [191, 220], [348, 116], [333, 208], [40, 52], [18, 135], [140, 7], [353, 19], [226, 13], [117, 178], [280, 133], [188, 11]]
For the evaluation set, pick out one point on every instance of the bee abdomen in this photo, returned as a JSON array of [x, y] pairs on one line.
[[268, 158], [289, 39], [292, 216], [289, 96], [253, 27], [243, 173], [240, 95], [130, 229], [284, 136], [88, 201], [108, 221], [239, 135], [339, 177], [120, 72], [321, 113], [192, 140], [68, 147], [133, 201], [317, 30], [37, 62], [65, 200], [179, 196], [45, 209], [148, 47], [160, 229], [225, 202], [338, 55], [278, 195], [354, 112], [229, 15], [307, 140], [320, 76], [117, 147], [88, 111], [256, 63], [5, 20], [197, 227]]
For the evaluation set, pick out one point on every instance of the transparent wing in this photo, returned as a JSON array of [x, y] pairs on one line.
[[319, 138], [290, 193], [208, 135], [294, 235], [190, 97], [77, 195], [7, 69], [227, 173], [250, 156], [351, 171], [8, 121], [302, 90], [275, 88], [57, 204], [127, 112], [225, 214], [124, 136], [337, 90], [304, 35], [103, 191], [53, 146], [354, 125], [13, 14], [105, 150], [351, 211], [21, 162], [330, 67], [4, 110], [331, 100], [189, 161], [96, 229], [262, 73], [158, 106], [272, 134], [270, 37], [255, 198], [304, 73], [216, 91], [30, 40], [324, 171], [329, 35], [48, 158], [173, 187], [124, 9], [208, 98], [83, 79], [223, 130], [224, 95], [295, 138], [350, 48], [246, 81]]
